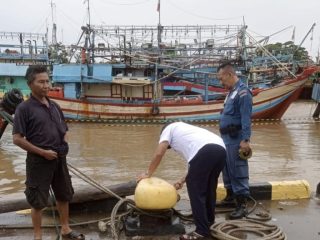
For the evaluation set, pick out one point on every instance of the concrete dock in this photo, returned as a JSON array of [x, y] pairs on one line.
[[299, 219]]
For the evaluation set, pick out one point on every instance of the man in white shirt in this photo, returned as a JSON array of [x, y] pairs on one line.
[[206, 155]]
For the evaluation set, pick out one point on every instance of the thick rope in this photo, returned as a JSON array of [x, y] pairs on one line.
[[223, 230], [115, 218], [226, 230]]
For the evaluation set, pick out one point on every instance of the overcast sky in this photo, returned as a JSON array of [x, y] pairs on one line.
[[262, 16]]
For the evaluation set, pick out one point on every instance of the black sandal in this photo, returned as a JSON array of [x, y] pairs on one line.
[[192, 236], [73, 235]]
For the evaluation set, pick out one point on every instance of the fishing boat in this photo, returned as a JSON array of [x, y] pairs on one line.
[[18, 50], [131, 85], [268, 103], [123, 76]]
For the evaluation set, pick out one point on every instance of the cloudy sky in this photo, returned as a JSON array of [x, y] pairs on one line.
[[263, 17]]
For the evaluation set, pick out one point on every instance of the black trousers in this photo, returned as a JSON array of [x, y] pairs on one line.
[[202, 181]]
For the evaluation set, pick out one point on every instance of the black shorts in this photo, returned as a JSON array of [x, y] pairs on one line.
[[41, 173]]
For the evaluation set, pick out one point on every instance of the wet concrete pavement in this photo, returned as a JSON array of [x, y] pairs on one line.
[[299, 219]]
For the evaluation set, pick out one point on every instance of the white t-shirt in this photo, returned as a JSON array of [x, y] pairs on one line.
[[187, 139]]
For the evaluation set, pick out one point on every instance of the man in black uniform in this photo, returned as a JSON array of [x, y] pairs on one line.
[[40, 129]]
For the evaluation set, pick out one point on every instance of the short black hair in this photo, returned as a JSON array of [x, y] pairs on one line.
[[33, 70], [228, 65]]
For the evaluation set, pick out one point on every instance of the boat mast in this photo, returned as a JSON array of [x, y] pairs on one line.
[[318, 56], [87, 48], [90, 48], [158, 61], [88, 8], [159, 9], [310, 31], [54, 26], [54, 41], [93, 34]]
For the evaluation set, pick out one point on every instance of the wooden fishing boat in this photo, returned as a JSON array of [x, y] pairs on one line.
[[268, 103]]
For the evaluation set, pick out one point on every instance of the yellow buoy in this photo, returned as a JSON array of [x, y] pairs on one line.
[[155, 194]]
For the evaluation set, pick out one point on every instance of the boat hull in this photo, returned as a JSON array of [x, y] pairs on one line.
[[267, 104]]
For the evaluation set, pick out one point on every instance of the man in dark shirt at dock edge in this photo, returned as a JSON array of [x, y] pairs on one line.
[[40, 129], [235, 130]]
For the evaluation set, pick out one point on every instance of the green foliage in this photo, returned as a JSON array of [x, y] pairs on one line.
[[58, 53], [286, 48]]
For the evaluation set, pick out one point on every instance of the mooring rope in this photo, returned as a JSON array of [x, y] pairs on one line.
[[222, 231], [250, 224], [226, 230], [115, 218]]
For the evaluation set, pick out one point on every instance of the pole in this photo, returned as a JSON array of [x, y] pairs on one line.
[[155, 85], [89, 13], [158, 61], [206, 89], [159, 9]]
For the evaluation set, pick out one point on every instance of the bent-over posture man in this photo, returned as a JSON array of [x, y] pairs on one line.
[[206, 155]]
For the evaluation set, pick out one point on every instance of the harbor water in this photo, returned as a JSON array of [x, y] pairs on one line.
[[283, 150], [111, 154]]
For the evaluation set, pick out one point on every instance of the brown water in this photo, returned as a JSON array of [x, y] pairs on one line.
[[287, 150]]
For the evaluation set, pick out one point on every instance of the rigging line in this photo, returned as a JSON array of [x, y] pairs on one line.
[[96, 14], [43, 24], [258, 34], [231, 38], [193, 55], [278, 63], [311, 40], [124, 4], [176, 68], [203, 57], [270, 55], [45, 16], [199, 16], [76, 24], [275, 33], [169, 66]]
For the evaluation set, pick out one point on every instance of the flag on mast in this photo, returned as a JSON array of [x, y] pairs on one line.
[[158, 6]]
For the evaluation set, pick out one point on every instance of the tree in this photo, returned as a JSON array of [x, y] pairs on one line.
[[287, 48], [58, 53]]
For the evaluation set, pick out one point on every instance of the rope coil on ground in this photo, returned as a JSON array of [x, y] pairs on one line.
[[229, 230]]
